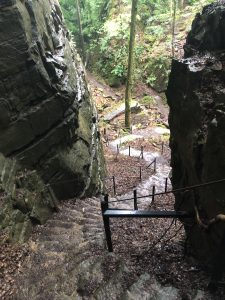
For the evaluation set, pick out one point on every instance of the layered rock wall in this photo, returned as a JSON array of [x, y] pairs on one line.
[[196, 96], [48, 124]]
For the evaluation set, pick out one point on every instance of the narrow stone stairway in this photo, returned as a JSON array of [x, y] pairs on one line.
[[69, 260]]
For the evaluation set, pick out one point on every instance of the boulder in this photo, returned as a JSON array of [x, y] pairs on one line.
[[48, 123], [196, 96]]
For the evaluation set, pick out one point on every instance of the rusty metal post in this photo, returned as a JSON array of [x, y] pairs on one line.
[[118, 149], [114, 185], [153, 194], [104, 207], [155, 165], [142, 152], [166, 185], [140, 174], [135, 200]]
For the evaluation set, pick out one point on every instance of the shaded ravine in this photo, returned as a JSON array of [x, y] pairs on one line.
[[68, 257]]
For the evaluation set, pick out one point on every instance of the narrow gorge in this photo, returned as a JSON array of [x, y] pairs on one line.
[[60, 155]]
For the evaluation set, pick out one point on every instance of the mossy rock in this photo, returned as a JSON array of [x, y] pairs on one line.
[[20, 231], [157, 72], [114, 81], [164, 98], [148, 101]]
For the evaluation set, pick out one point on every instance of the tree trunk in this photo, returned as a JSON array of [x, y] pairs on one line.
[[81, 37], [173, 26], [130, 64]]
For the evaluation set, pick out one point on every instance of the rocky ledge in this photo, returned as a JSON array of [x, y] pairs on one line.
[[49, 140], [196, 96]]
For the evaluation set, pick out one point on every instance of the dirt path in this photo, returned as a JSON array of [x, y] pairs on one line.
[[105, 95]]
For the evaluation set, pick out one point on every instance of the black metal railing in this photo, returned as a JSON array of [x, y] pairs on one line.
[[108, 212]]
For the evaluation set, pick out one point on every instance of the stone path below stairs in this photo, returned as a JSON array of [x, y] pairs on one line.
[[69, 260]]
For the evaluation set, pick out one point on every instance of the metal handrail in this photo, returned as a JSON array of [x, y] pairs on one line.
[[174, 191]]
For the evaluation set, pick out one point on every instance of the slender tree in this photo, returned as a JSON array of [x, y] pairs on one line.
[[173, 26], [81, 36], [130, 64]]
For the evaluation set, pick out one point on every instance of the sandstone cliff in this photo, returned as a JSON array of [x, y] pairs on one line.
[[196, 96], [49, 147]]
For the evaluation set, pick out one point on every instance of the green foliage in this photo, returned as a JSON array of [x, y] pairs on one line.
[[156, 72], [113, 49], [148, 101], [106, 26], [93, 14]]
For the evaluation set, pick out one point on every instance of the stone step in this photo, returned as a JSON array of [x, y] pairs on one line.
[[60, 238], [61, 230], [93, 228], [115, 286], [83, 250], [93, 236], [71, 212], [53, 255], [55, 246], [90, 276], [146, 287], [92, 201], [67, 217], [97, 243], [47, 284], [93, 275], [93, 215], [87, 247], [87, 204], [60, 223], [82, 221]]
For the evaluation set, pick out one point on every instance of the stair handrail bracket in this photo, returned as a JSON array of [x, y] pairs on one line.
[[108, 213]]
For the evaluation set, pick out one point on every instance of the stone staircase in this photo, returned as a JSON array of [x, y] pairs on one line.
[[69, 260]]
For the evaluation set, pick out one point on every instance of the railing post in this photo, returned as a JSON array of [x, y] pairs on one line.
[[162, 148], [140, 174], [118, 149], [129, 150], [166, 185], [104, 207], [142, 152], [153, 194], [135, 200], [114, 185], [155, 165]]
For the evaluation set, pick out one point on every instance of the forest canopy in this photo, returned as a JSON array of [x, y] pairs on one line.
[[105, 35]]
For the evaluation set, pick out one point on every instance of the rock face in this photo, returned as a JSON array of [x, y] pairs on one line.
[[48, 124], [196, 96]]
